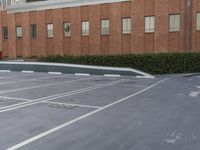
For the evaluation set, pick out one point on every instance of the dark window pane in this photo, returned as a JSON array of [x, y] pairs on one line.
[[5, 32], [33, 30]]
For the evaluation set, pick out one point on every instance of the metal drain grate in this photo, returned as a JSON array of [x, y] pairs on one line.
[[64, 106]]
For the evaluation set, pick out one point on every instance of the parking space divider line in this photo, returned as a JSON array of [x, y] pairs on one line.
[[26, 71], [26, 80], [2, 71], [82, 74], [39, 136], [58, 73], [39, 86], [112, 75], [25, 104]]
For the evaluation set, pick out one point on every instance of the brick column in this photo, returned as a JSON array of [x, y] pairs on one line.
[[1, 42], [188, 24], [26, 34], [12, 36]]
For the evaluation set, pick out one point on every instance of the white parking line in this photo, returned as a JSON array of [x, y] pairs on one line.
[[2, 71], [58, 73], [26, 71], [82, 74], [70, 104], [39, 86], [39, 136], [25, 80], [112, 75], [145, 77], [25, 104]]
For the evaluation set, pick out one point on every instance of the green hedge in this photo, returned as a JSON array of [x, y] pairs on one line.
[[152, 63]]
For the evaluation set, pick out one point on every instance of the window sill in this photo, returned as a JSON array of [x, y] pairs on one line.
[[105, 34], [174, 31], [67, 37], [85, 35], [126, 33], [149, 32]]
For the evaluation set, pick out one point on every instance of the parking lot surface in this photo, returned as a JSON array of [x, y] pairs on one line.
[[40, 111]]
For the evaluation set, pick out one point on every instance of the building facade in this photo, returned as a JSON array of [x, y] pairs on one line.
[[85, 27]]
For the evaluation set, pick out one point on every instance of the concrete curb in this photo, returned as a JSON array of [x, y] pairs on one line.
[[70, 69]]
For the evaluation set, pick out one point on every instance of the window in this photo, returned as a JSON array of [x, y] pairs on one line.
[[126, 25], [174, 23], [149, 24], [5, 32], [66, 29], [198, 21], [33, 30], [85, 28], [105, 27], [50, 30], [19, 32], [14, 2]]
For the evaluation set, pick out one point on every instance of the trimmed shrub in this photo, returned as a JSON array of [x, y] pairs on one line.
[[163, 63]]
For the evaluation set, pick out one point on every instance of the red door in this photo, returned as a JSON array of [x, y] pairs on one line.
[[1, 55]]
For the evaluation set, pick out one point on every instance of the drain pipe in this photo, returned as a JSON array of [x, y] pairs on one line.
[[188, 24]]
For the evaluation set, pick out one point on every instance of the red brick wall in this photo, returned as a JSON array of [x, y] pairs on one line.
[[84, 39], [75, 31], [105, 40], [95, 44], [94, 38], [137, 36], [41, 32], [66, 13], [33, 41]]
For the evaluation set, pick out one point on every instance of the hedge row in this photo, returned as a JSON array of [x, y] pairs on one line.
[[152, 63]]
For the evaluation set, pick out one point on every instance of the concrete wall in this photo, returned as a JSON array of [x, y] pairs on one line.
[[95, 44]]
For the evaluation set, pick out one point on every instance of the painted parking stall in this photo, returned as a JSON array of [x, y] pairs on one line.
[[35, 94], [31, 117]]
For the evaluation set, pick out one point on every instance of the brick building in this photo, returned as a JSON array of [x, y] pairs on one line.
[[99, 27]]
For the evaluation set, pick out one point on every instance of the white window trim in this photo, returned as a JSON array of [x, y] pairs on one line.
[[85, 28], [126, 25], [105, 26], [19, 32], [150, 27], [174, 26], [50, 33], [198, 21]]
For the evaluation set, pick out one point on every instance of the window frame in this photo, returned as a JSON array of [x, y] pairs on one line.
[[105, 31], [127, 30], [33, 33], [5, 33], [149, 30], [174, 28], [197, 26], [69, 32], [85, 31], [50, 34], [16, 30]]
